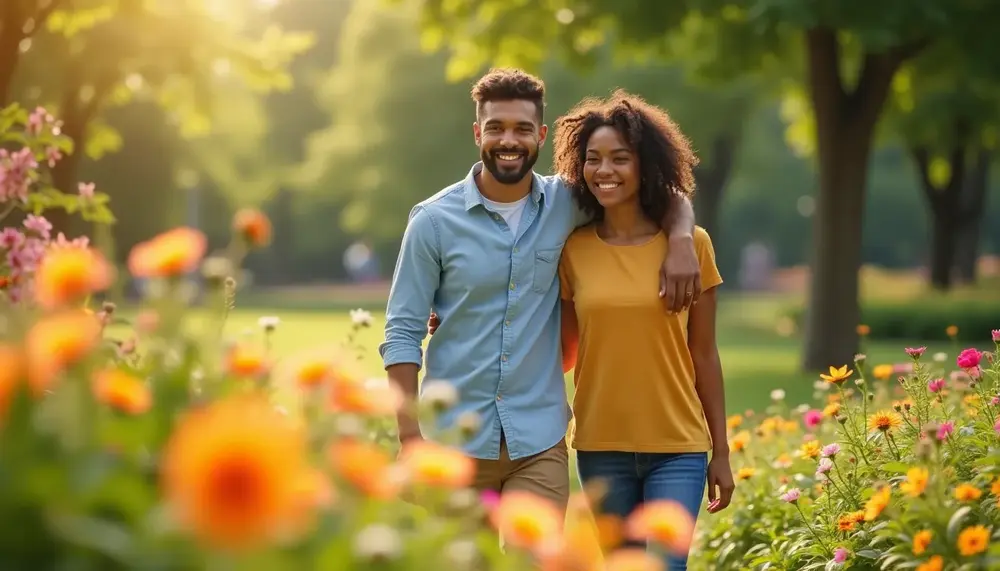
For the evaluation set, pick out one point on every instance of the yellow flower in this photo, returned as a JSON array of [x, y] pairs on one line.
[[884, 420], [68, 275], [837, 375], [921, 540], [526, 520], [312, 374], [967, 493], [245, 362], [740, 441], [734, 422], [663, 522], [916, 481], [811, 449], [831, 409], [877, 503], [432, 464], [882, 372], [935, 563], [745, 473], [633, 559], [973, 540], [232, 473]]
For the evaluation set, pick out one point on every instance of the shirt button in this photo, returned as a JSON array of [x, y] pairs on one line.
[[498, 397], [511, 286], [515, 250], [503, 358], [507, 323]]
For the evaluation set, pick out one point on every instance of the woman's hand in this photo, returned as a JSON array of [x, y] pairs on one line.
[[720, 483]]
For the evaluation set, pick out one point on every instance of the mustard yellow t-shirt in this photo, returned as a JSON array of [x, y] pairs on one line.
[[634, 374]]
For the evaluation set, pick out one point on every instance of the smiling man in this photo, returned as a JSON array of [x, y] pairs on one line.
[[483, 255]]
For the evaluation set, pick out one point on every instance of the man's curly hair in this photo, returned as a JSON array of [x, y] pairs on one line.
[[666, 161], [509, 84]]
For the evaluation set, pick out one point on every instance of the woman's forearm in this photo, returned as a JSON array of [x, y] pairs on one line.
[[711, 392]]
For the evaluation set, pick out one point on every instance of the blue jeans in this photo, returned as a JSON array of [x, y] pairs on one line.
[[632, 478]]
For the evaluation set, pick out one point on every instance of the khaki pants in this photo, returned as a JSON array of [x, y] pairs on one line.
[[545, 474]]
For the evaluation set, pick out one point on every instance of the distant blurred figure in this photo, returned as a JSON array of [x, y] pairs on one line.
[[361, 263], [756, 267]]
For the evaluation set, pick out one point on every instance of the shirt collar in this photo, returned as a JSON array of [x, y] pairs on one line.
[[473, 197]]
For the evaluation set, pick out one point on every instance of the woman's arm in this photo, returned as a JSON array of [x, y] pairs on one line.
[[570, 335], [711, 392]]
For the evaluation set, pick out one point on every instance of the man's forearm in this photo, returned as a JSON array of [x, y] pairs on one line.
[[679, 221], [404, 376]]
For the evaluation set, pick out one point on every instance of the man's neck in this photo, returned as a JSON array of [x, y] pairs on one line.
[[496, 191]]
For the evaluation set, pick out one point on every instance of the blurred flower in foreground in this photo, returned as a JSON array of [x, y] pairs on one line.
[[68, 275], [526, 520], [173, 253], [56, 342], [664, 522], [253, 226], [122, 391]]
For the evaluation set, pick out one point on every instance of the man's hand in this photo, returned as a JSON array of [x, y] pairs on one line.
[[720, 483], [433, 323], [680, 275]]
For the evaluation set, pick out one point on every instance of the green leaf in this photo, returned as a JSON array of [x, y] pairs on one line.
[[896, 467], [106, 537], [956, 521], [868, 554]]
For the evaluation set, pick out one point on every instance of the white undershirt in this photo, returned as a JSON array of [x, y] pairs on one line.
[[511, 211]]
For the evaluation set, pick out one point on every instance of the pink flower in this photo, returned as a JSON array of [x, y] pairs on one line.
[[812, 418], [996, 335], [824, 466], [86, 190], [996, 426], [39, 118], [489, 499], [791, 496], [935, 386], [969, 359], [831, 450], [840, 555], [15, 171], [945, 430], [995, 401], [39, 225], [11, 238], [915, 352]]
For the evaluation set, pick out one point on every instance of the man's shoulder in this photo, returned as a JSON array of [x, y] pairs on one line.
[[448, 196]]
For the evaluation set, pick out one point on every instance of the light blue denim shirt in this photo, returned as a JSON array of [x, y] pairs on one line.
[[497, 295]]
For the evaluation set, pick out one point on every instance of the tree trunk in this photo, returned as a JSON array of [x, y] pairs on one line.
[[845, 124], [945, 205], [944, 229], [13, 22], [970, 226], [711, 183]]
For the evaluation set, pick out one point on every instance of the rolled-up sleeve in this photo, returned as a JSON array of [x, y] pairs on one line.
[[414, 283]]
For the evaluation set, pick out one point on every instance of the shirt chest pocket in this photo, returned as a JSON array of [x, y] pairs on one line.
[[545, 268]]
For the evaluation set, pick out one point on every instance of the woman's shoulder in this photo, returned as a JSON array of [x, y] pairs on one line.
[[701, 238], [581, 237]]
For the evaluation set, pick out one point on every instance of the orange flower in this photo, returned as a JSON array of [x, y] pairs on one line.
[[973, 540], [916, 481], [831, 410], [734, 422], [935, 563], [253, 226], [122, 391], [882, 372], [610, 530], [68, 275], [846, 522], [633, 559], [739, 441], [858, 516], [432, 464], [57, 342], [995, 487], [665, 522], [11, 369], [170, 254], [921, 541], [745, 473], [526, 520], [364, 465], [951, 330], [232, 473], [245, 362], [863, 330], [884, 420], [312, 374], [967, 493], [837, 375], [579, 548], [349, 393], [877, 503]]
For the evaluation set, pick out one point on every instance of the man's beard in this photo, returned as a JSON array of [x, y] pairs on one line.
[[506, 175]]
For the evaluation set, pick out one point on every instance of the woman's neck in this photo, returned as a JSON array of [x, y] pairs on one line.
[[626, 222]]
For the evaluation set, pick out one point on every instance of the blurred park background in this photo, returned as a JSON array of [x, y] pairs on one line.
[[851, 141]]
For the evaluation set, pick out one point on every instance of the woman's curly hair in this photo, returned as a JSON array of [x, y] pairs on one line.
[[666, 161]]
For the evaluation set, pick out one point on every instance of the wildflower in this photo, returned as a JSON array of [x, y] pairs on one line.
[[745, 473], [364, 465], [253, 226], [846, 522], [882, 372], [996, 335], [57, 342], [969, 359], [884, 420], [312, 374], [840, 555], [526, 520], [432, 464], [376, 397], [734, 422], [378, 542], [945, 429], [921, 540], [633, 559], [810, 449], [915, 352], [246, 362], [468, 423], [812, 418], [859, 359], [967, 493], [122, 391], [940, 357], [232, 472], [877, 503], [68, 275], [268, 323], [935, 563], [995, 487], [863, 330], [782, 461], [791, 496], [831, 410], [951, 331], [740, 441], [973, 540], [361, 318], [935, 385], [916, 482], [440, 395], [831, 450], [664, 522], [777, 395], [837, 375], [824, 466], [170, 254], [11, 370]]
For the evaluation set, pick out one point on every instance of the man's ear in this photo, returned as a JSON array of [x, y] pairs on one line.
[[477, 132], [543, 131]]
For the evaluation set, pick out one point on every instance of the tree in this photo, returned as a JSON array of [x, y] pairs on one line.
[[842, 53], [947, 117]]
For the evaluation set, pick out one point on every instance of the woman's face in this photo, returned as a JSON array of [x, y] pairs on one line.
[[611, 169]]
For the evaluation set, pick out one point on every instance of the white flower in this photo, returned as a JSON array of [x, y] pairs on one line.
[[462, 553], [821, 386], [268, 322], [378, 541], [361, 318], [802, 409], [940, 357], [439, 395], [469, 422], [777, 395]]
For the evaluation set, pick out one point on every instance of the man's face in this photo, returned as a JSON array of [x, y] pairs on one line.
[[509, 135]]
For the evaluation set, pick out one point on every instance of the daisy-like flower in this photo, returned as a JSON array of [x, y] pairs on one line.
[[837, 375], [884, 420]]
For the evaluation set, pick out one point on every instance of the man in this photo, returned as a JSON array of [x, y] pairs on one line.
[[483, 253]]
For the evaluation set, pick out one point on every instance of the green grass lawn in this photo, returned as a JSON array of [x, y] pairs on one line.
[[755, 357]]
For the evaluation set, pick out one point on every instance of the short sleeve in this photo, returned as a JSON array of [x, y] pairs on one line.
[[565, 278], [710, 276], [578, 216]]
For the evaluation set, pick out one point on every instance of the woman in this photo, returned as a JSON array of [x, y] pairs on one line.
[[649, 403]]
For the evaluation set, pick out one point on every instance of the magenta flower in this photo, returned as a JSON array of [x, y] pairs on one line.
[[915, 352], [969, 359], [996, 335], [945, 430], [791, 496], [831, 450], [935, 385], [489, 499], [840, 555], [812, 418]]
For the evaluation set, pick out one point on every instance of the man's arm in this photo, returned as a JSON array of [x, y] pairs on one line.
[[680, 275], [414, 282]]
